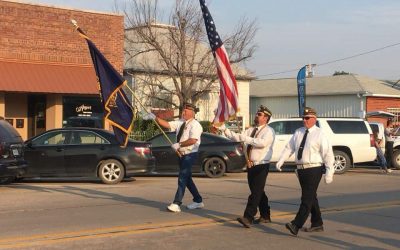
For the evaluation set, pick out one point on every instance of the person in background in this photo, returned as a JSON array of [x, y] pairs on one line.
[[379, 153], [314, 155], [389, 143], [188, 134], [259, 142]]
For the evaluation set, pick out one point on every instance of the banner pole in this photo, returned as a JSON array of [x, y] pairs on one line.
[[158, 125]]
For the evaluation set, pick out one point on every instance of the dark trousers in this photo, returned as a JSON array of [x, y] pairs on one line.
[[256, 178], [389, 153], [185, 179], [309, 180]]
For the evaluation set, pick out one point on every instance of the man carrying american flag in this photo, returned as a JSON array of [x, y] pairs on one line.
[[228, 95], [258, 139]]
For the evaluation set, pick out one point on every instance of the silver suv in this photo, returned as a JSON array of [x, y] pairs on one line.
[[352, 139], [12, 163]]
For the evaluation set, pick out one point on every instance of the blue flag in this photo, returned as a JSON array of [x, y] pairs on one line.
[[301, 90], [118, 110]]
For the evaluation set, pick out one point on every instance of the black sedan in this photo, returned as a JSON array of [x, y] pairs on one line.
[[217, 155], [85, 152]]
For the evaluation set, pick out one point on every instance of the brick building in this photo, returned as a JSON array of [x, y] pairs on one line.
[[46, 71]]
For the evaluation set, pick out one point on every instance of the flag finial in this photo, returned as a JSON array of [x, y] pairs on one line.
[[74, 22]]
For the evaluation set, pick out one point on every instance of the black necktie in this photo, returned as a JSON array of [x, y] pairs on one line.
[[180, 132], [303, 142], [250, 147]]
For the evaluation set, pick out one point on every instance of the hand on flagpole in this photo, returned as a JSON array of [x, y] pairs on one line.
[[149, 116]]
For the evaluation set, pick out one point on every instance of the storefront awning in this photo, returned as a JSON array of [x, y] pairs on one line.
[[47, 78]]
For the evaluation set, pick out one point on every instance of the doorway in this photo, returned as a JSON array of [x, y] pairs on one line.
[[36, 114]]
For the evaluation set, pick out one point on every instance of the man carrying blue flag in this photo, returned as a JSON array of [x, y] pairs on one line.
[[118, 110]]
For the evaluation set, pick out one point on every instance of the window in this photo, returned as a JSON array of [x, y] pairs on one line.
[[86, 137], [52, 138], [286, 127], [348, 127], [159, 101], [160, 140], [396, 112]]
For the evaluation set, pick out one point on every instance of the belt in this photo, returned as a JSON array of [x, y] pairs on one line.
[[309, 165], [255, 163], [186, 152]]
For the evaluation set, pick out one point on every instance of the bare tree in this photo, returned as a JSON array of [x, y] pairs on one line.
[[175, 57]]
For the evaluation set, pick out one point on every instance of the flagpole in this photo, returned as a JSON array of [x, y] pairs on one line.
[[158, 125], [83, 34]]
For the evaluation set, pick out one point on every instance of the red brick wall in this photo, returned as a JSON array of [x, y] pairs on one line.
[[45, 34], [381, 103]]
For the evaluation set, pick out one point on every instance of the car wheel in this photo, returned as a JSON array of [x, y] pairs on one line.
[[111, 171], [214, 167], [396, 159], [342, 162], [6, 180]]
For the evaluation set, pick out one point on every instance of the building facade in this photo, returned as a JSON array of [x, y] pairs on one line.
[[46, 71]]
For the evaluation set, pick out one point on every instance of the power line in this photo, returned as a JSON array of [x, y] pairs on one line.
[[337, 60]]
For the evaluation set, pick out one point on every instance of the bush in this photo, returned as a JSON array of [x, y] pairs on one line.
[[144, 129], [206, 125]]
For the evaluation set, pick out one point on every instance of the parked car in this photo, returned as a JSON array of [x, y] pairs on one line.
[[352, 139], [396, 153], [85, 152], [12, 163], [217, 155]]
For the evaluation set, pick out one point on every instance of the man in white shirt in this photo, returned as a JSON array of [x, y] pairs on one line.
[[314, 155], [259, 141], [188, 138]]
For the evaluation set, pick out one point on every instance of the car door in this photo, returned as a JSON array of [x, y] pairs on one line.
[[166, 157], [45, 154], [83, 153], [283, 132]]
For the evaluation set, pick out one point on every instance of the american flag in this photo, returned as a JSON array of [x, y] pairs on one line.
[[228, 94]]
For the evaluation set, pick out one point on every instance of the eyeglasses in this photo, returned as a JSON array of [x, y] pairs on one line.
[[307, 118]]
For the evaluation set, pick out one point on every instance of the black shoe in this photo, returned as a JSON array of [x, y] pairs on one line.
[[292, 228], [314, 229], [244, 221], [263, 219]]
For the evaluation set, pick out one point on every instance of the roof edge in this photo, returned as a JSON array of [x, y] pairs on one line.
[[61, 7]]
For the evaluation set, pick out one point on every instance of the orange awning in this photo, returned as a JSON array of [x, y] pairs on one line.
[[47, 78]]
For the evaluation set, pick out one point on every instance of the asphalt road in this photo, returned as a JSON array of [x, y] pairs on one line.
[[361, 210]]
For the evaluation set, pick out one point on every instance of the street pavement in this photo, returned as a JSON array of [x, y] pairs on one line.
[[361, 210]]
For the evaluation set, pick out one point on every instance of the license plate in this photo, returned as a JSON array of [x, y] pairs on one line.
[[15, 152]]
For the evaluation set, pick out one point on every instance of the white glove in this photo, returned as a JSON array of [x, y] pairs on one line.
[[278, 166], [175, 146], [149, 116], [328, 179], [221, 128], [242, 137]]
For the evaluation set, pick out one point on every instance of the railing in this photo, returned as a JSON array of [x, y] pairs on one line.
[[142, 135]]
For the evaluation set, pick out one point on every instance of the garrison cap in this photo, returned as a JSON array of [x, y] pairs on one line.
[[191, 107], [264, 110], [309, 112]]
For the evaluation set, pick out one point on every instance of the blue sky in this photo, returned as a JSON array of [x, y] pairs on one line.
[[294, 33]]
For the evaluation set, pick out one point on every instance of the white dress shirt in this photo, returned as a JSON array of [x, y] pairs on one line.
[[317, 149], [193, 130], [262, 142]]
